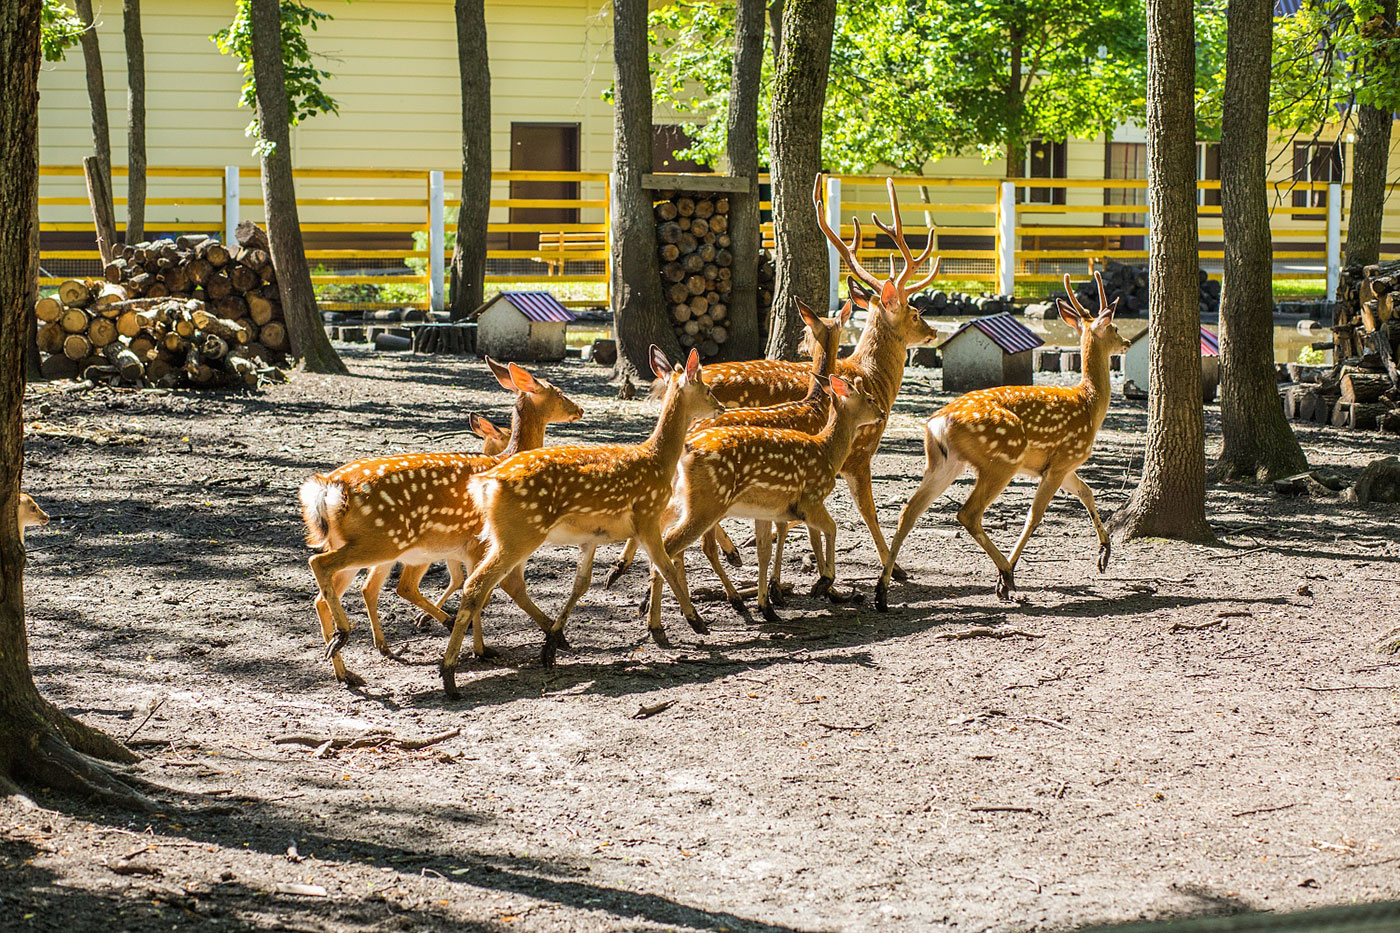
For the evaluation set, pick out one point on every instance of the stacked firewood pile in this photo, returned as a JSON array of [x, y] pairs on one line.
[[1362, 389], [1129, 283], [188, 311], [959, 303], [692, 235]]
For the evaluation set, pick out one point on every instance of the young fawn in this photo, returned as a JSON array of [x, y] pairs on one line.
[[809, 415], [1042, 431], [585, 496], [28, 513], [878, 360], [414, 509], [771, 476]]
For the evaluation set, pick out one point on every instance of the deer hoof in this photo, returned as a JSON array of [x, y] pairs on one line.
[[487, 654], [881, 592], [352, 680], [898, 574], [384, 649], [1005, 584], [775, 594], [552, 643], [740, 607], [822, 587], [841, 597], [618, 570], [734, 557], [424, 622], [449, 681], [1105, 552], [658, 635], [338, 641], [645, 605], [768, 613], [698, 624]]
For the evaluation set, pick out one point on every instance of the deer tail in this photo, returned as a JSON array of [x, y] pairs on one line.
[[322, 501]]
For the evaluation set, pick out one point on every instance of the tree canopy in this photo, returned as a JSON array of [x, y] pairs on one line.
[[59, 29]]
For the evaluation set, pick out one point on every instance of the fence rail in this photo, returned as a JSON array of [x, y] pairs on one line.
[[1002, 232]]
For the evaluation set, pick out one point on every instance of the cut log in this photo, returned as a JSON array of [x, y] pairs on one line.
[[74, 294], [669, 232], [101, 332], [1364, 387], [669, 253], [687, 243], [666, 210], [251, 235], [75, 320], [127, 363], [678, 293], [77, 347], [212, 252], [244, 278], [58, 366], [680, 313], [143, 344], [260, 309], [704, 208], [177, 279], [696, 285], [114, 270], [106, 295], [273, 336], [48, 309], [685, 206], [673, 271], [50, 337], [213, 347], [217, 286], [698, 228]]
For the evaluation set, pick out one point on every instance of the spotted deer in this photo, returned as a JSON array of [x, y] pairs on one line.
[[1041, 431], [413, 509], [584, 496], [878, 360], [29, 514], [769, 475], [823, 341]]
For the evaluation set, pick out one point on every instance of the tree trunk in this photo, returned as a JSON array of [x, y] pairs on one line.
[[1259, 443], [38, 743], [1169, 501], [135, 122], [308, 336], [795, 134], [744, 216], [775, 19], [467, 285], [1370, 156], [639, 312], [1015, 105], [97, 89]]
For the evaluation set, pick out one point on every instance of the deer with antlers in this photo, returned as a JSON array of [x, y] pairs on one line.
[[1041, 431], [878, 360], [413, 509], [584, 496]]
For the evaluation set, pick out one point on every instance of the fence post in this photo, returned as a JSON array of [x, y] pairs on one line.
[[1006, 240], [437, 240], [1334, 239], [833, 261], [231, 206]]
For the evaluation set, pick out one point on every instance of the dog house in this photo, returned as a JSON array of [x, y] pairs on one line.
[[989, 351], [522, 326], [1135, 368]]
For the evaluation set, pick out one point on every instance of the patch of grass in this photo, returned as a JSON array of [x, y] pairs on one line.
[[1299, 288]]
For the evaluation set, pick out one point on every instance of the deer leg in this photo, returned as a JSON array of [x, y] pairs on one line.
[[501, 558], [819, 518], [989, 485], [1049, 483], [763, 538], [709, 543], [649, 536], [374, 582], [726, 544], [1072, 483], [456, 575], [858, 480], [939, 473], [513, 585], [340, 582], [409, 578], [327, 567], [624, 561], [554, 636]]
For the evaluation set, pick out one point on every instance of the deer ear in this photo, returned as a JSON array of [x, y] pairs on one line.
[[1106, 315], [809, 317], [660, 366], [889, 295], [847, 310], [840, 387], [502, 374], [692, 366], [524, 382], [482, 427], [1068, 314], [859, 293]]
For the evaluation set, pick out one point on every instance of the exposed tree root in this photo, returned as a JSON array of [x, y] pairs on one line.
[[50, 749]]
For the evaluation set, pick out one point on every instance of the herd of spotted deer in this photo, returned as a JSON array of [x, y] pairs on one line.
[[762, 440]]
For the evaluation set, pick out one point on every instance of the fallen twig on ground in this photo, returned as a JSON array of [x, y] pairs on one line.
[[646, 712], [833, 728], [1189, 627], [372, 740], [984, 631], [1004, 809], [154, 706]]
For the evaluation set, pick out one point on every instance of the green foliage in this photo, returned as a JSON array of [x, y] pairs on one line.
[[305, 99], [925, 79], [1330, 57], [419, 264], [59, 29], [1307, 356]]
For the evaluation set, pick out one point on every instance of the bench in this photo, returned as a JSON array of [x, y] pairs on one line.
[[561, 242]]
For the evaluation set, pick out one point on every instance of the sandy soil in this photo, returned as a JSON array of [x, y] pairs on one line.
[[842, 770]]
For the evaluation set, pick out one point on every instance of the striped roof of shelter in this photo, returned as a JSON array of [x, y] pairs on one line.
[[1005, 331], [1210, 344], [538, 306]]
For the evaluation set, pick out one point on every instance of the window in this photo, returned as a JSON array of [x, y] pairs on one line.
[[1125, 160], [668, 139], [1315, 162], [1208, 169], [1044, 160]]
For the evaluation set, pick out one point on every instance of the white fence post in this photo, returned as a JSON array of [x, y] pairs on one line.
[[232, 208], [1006, 240], [833, 261], [1334, 239], [437, 240]]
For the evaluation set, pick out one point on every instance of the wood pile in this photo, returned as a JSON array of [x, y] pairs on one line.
[[188, 311], [1129, 284], [697, 268], [1362, 389]]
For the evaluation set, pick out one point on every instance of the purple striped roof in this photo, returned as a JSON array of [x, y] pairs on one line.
[[538, 306], [1210, 344], [1005, 331]]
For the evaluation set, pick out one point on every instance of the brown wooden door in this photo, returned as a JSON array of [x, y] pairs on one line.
[[543, 147]]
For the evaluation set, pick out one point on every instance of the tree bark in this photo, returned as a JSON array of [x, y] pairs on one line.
[[775, 19], [135, 122], [97, 88], [308, 336], [1015, 105], [467, 284], [744, 216], [795, 134], [38, 743], [1169, 501], [639, 312], [1258, 441], [1370, 157]]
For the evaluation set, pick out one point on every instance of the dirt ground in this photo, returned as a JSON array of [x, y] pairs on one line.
[[1200, 729]]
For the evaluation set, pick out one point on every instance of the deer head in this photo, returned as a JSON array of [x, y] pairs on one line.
[[1095, 330], [493, 439], [851, 400], [684, 385], [550, 404]]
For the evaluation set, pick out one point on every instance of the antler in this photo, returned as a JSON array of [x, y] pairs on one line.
[[1082, 311], [847, 252], [897, 234]]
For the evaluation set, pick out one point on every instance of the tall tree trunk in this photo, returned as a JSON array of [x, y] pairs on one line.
[[1370, 157], [467, 284], [97, 88], [304, 326], [744, 217], [1169, 501], [1015, 106], [1259, 443], [38, 743], [775, 19], [31, 295], [135, 122], [795, 134], [639, 311]]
